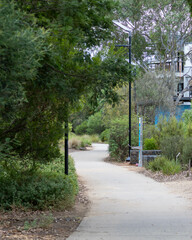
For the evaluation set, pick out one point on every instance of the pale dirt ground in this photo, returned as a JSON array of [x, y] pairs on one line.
[[57, 225], [179, 184], [181, 188]]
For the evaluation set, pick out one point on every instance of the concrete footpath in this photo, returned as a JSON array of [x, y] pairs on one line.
[[128, 205]]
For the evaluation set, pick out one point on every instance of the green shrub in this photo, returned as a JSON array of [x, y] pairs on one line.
[[104, 136], [81, 129], [167, 128], [171, 168], [187, 151], [44, 188], [78, 142], [187, 119], [171, 146], [187, 116], [150, 144], [94, 138], [95, 124], [188, 130], [164, 165], [85, 141], [119, 137], [148, 130], [157, 164]]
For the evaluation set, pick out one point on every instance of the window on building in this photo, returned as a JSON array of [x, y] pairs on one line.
[[180, 87], [180, 63], [190, 92]]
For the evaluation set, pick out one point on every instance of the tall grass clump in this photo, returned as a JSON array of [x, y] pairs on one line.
[[164, 165], [83, 141]]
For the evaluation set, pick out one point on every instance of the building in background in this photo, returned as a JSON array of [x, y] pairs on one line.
[[182, 67]]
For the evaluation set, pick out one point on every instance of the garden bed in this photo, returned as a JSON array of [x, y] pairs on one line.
[[44, 225]]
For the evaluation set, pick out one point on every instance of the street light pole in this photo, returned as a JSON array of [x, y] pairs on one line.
[[126, 29], [130, 95], [66, 148]]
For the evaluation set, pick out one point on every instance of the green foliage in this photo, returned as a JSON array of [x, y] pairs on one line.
[[171, 146], [81, 129], [155, 89], [167, 18], [85, 142], [119, 137], [30, 225], [43, 222], [78, 142], [95, 124], [187, 151], [150, 144], [44, 74], [22, 50], [167, 128], [44, 188], [169, 135], [95, 138], [105, 135], [166, 166], [190, 5], [187, 117]]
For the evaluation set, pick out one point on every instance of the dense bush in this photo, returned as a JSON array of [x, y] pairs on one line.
[[150, 144], [167, 128], [95, 138], [119, 137], [187, 116], [46, 187], [188, 130], [171, 146], [105, 135], [187, 151], [164, 165], [95, 124], [81, 129]]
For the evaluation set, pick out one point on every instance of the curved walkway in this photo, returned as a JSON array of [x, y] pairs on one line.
[[126, 205]]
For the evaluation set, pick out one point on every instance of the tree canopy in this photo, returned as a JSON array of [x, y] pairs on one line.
[[47, 66]]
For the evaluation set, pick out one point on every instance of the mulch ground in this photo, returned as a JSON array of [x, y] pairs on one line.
[[44, 225]]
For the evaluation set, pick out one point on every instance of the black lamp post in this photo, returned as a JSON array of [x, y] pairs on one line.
[[129, 96], [129, 46], [66, 148]]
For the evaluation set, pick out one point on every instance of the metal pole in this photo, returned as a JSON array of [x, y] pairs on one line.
[[66, 148], [140, 142], [130, 94]]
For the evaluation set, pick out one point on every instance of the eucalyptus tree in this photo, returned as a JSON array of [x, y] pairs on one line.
[[160, 30]]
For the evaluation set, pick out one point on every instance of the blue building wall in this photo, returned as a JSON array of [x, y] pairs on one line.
[[179, 111]]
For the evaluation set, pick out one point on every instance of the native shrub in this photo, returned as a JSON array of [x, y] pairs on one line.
[[81, 129], [95, 124], [171, 146], [40, 189], [150, 144], [119, 137], [105, 135], [187, 151], [164, 165], [167, 128]]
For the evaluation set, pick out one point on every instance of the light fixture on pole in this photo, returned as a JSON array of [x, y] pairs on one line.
[[127, 30]]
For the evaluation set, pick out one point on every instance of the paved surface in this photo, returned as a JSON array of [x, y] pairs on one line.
[[127, 205]]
